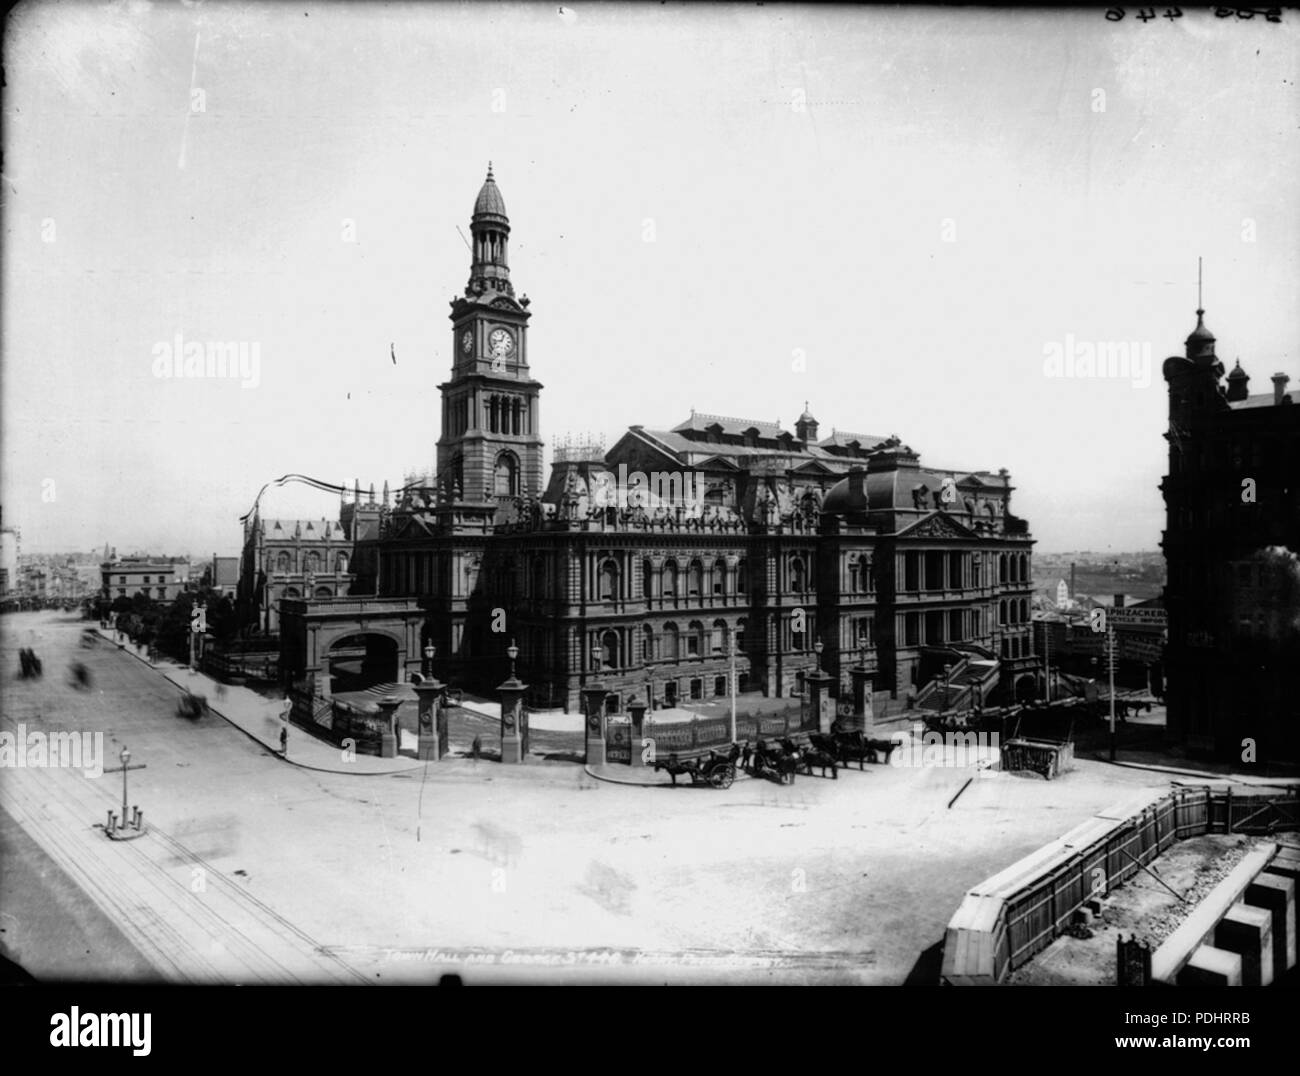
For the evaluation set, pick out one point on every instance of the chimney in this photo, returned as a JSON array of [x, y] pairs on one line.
[[1071, 579], [1279, 388], [857, 493]]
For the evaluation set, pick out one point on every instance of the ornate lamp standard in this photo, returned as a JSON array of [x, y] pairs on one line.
[[514, 730], [947, 675], [818, 692], [593, 697], [433, 718]]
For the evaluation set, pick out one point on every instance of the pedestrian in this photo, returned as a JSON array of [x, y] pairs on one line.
[[284, 742], [478, 747], [745, 755]]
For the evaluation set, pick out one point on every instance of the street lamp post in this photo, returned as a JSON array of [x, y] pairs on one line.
[[135, 826], [947, 678], [429, 651]]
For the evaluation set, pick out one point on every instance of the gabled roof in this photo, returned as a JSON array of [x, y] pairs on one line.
[[312, 529]]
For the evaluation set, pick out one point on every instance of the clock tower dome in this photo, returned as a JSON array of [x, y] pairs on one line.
[[490, 450]]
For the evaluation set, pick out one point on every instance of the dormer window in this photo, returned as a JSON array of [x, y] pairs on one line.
[[751, 437]]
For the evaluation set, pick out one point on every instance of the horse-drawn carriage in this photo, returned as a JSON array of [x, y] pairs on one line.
[[715, 768], [191, 706], [853, 746], [781, 760]]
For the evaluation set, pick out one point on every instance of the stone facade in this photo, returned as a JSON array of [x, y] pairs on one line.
[[651, 560]]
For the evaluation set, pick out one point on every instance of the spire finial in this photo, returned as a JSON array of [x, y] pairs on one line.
[[1200, 306], [489, 175]]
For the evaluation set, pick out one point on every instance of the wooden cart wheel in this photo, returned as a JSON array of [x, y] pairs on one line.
[[726, 776]]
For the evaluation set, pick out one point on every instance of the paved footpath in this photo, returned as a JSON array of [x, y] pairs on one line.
[[260, 718]]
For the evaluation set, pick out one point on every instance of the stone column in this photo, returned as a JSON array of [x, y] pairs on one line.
[[593, 705], [432, 747], [636, 710], [512, 711], [388, 739], [822, 705], [862, 699]]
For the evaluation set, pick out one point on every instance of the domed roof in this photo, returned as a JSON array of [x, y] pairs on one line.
[[1238, 373], [1200, 332], [489, 202], [842, 499]]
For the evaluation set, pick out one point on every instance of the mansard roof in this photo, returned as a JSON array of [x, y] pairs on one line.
[[734, 426]]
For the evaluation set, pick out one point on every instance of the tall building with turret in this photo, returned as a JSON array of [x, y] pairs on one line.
[[656, 563], [1232, 534]]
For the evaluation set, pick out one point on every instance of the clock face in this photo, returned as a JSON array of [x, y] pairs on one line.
[[467, 342], [501, 342]]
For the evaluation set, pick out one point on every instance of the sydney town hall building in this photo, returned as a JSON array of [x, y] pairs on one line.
[[647, 564]]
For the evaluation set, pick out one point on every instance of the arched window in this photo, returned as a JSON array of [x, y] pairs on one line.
[[341, 563], [608, 581], [669, 579], [1002, 611], [694, 639], [671, 640], [1024, 610], [647, 580], [1024, 568], [539, 577], [284, 562], [740, 635], [506, 475], [291, 592], [720, 577], [609, 650], [868, 583], [742, 576], [647, 643], [324, 592], [695, 579], [797, 575], [313, 562], [719, 637]]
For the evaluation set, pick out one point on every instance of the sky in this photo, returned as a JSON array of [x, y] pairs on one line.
[[898, 216]]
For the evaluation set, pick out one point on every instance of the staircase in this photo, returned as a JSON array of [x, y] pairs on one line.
[[975, 674]]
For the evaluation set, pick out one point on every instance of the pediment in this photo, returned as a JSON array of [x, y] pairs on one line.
[[936, 525]]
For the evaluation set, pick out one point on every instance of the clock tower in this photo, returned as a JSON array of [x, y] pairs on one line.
[[490, 450]]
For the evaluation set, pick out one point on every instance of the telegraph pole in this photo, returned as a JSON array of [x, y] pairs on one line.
[[1110, 665], [733, 688]]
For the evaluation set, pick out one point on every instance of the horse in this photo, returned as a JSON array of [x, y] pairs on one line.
[[824, 760]]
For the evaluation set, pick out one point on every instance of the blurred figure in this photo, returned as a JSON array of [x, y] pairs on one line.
[[80, 676]]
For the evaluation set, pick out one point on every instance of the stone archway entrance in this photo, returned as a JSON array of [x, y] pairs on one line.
[[376, 638], [361, 661]]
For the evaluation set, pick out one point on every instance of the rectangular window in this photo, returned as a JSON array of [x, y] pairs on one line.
[[911, 572], [912, 629]]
